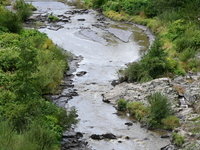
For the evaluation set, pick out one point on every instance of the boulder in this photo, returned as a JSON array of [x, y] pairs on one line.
[[109, 136], [103, 136], [96, 137]]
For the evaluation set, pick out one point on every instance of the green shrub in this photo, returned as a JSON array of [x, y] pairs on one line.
[[98, 3], [160, 108], [152, 65], [36, 38], [170, 122], [39, 137], [138, 110], [9, 59], [10, 40], [187, 54], [169, 16], [7, 136], [121, 105], [24, 10], [10, 20], [177, 139], [133, 7], [53, 18]]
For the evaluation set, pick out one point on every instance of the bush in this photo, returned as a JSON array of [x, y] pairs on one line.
[[133, 7], [152, 65], [7, 136], [177, 139], [160, 108], [10, 20], [138, 110], [170, 122], [24, 10], [53, 18], [38, 137], [121, 105], [187, 54]]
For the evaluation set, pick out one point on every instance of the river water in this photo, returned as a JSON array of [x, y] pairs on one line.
[[106, 46]]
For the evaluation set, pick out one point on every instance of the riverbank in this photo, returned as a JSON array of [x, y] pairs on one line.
[[174, 23], [82, 73], [182, 91], [31, 66], [84, 35]]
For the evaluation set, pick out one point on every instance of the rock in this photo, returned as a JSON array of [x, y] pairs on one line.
[[81, 73], [81, 19], [128, 123], [168, 147], [115, 82], [103, 136], [79, 135], [109, 136], [140, 92], [134, 121], [164, 136], [96, 137], [55, 27], [72, 140], [127, 137], [143, 126]]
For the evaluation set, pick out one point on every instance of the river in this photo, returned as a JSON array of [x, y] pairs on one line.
[[105, 46]]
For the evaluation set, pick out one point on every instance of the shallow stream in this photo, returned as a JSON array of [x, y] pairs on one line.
[[106, 46]]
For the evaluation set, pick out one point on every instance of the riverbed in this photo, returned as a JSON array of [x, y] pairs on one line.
[[105, 47]]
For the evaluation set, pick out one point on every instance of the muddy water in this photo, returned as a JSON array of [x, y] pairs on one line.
[[105, 46]]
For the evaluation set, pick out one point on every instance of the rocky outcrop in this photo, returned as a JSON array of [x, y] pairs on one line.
[[140, 92], [183, 93]]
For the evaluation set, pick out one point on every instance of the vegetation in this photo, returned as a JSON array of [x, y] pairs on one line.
[[30, 66], [9, 21], [170, 122], [138, 110], [176, 24], [152, 65], [24, 10], [53, 18], [121, 105], [160, 108], [177, 139], [157, 115], [5, 2]]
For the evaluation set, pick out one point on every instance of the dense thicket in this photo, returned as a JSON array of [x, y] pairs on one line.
[[30, 66], [176, 24]]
